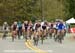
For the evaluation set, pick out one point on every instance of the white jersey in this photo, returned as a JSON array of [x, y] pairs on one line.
[[5, 27], [42, 23], [34, 26], [54, 26]]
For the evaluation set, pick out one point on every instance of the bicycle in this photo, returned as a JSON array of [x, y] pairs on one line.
[[36, 38], [14, 34], [60, 35]]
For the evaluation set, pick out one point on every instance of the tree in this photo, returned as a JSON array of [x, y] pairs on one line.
[[15, 10]]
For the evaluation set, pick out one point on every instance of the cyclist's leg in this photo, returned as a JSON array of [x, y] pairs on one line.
[[57, 36], [4, 35], [12, 38], [25, 34], [21, 34], [45, 33], [13, 35], [42, 36], [35, 38], [30, 33], [54, 33], [50, 34], [38, 36], [60, 36], [63, 34], [18, 34]]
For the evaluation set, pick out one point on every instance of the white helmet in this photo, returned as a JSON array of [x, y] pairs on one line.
[[5, 22], [25, 21], [15, 23]]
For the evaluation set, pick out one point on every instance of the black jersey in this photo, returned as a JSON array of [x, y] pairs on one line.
[[26, 26], [20, 28], [44, 26], [14, 27], [51, 25]]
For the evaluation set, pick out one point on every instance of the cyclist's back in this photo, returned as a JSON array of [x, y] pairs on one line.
[[14, 27], [26, 25], [60, 26], [44, 26], [37, 26], [19, 26]]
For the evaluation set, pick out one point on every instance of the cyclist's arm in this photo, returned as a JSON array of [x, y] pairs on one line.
[[23, 28]]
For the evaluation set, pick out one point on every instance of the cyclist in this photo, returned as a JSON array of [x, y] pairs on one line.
[[44, 29], [37, 28], [51, 24], [19, 29], [25, 29], [60, 31], [5, 29], [55, 29], [30, 26], [14, 29]]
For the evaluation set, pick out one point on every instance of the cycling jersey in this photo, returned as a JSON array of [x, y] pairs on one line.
[[14, 27], [54, 26], [19, 26], [51, 26], [26, 26], [37, 26], [30, 26], [60, 26], [44, 26], [5, 27]]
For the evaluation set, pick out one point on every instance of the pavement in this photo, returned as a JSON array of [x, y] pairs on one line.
[[49, 46]]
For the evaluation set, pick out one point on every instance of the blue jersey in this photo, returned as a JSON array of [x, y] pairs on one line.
[[60, 26], [19, 26]]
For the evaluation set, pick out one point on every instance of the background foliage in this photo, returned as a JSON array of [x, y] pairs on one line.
[[15, 10]]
